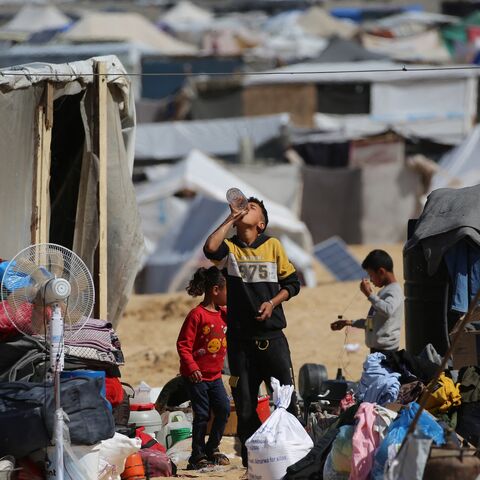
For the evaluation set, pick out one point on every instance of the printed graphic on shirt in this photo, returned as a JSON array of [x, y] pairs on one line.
[[252, 271], [369, 322], [213, 340]]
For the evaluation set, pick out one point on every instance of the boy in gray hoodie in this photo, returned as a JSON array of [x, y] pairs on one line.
[[384, 319]]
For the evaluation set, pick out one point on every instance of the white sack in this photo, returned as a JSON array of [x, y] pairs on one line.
[[280, 442], [113, 453]]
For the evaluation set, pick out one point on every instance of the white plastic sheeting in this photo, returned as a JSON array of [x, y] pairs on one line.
[[203, 175], [122, 26], [21, 94], [172, 140], [461, 166]]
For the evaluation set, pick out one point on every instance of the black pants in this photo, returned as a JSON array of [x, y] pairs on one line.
[[251, 363], [206, 396]]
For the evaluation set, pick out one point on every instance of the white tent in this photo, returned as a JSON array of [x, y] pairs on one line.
[[121, 27], [172, 140], [186, 12], [461, 166], [201, 174], [35, 18]]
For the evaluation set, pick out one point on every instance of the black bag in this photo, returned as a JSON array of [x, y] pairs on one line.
[[468, 422], [311, 466], [22, 431], [90, 420]]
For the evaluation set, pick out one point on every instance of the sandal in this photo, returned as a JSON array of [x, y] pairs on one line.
[[202, 462], [218, 458]]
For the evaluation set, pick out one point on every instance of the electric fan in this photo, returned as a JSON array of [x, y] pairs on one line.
[[47, 291]]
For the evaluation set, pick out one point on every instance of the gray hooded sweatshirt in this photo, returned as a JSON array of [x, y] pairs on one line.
[[384, 320]]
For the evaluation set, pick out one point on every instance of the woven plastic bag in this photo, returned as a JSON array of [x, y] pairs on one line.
[[280, 442]]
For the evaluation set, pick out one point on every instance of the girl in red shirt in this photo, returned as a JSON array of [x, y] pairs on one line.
[[202, 347]]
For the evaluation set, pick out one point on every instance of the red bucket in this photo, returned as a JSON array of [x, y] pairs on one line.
[[263, 407]]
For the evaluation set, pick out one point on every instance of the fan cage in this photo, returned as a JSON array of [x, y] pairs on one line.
[[24, 281]]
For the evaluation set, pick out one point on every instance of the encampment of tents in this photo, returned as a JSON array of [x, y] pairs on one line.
[[122, 27]]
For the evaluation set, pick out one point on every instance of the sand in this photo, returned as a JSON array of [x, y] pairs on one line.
[[151, 323]]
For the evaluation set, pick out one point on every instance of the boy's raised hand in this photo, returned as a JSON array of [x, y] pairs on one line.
[[236, 214], [196, 376], [365, 287]]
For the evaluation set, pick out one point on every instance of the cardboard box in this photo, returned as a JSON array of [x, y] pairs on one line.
[[467, 351]]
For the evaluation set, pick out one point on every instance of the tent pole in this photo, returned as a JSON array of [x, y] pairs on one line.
[[100, 146], [40, 223]]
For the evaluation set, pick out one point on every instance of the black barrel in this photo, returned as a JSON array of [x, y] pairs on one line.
[[426, 303]]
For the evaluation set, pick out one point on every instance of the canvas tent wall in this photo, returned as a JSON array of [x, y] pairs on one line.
[[380, 89], [123, 26], [221, 137], [201, 174], [461, 166], [130, 56], [31, 19], [55, 160]]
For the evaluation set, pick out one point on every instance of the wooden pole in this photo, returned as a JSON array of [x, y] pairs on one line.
[[40, 223], [101, 152]]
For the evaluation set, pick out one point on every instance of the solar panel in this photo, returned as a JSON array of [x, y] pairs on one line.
[[334, 255]]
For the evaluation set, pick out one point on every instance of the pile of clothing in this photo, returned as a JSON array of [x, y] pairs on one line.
[[368, 440]]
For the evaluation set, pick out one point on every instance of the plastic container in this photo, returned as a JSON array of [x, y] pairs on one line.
[[237, 200], [142, 394], [146, 416], [134, 469], [176, 427], [89, 374], [263, 408]]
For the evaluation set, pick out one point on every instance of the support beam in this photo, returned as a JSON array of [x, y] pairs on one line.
[[100, 149], [40, 222]]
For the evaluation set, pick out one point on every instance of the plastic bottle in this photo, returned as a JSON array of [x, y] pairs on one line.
[[237, 200]]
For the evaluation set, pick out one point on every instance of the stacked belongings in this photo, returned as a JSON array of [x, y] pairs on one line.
[[369, 439], [99, 442]]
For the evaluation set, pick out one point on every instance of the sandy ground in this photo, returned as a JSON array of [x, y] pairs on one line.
[[151, 324]]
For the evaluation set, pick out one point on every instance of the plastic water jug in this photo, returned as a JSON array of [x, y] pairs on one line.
[[146, 416], [141, 394], [176, 427]]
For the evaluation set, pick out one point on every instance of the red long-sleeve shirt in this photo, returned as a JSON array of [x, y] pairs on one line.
[[202, 344]]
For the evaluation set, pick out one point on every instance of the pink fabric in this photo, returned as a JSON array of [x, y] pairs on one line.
[[364, 442]]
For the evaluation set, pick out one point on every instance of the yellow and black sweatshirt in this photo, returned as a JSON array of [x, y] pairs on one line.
[[255, 274]]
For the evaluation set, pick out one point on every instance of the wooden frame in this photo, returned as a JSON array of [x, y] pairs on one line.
[[40, 224], [100, 150]]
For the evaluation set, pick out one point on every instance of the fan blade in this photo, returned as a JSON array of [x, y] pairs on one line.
[[24, 294], [79, 285], [28, 267], [56, 263]]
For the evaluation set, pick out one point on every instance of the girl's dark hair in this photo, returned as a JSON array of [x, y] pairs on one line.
[[204, 279]]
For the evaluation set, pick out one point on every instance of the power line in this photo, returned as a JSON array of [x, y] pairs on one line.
[[403, 69]]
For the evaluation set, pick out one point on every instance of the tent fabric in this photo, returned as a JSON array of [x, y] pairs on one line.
[[36, 18], [201, 174], [20, 98], [284, 184], [317, 21], [375, 193], [367, 71], [172, 140], [424, 47], [121, 27], [460, 167], [186, 12], [344, 50]]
